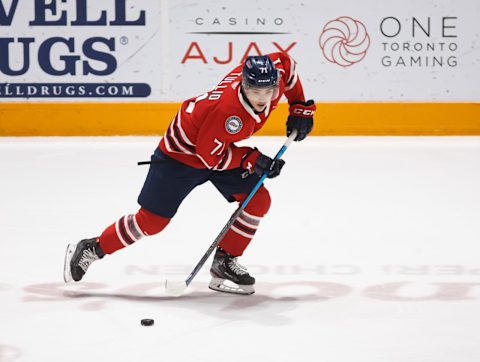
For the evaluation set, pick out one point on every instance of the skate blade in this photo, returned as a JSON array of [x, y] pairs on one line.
[[67, 271], [219, 285]]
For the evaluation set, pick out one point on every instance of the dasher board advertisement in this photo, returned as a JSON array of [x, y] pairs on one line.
[[158, 51]]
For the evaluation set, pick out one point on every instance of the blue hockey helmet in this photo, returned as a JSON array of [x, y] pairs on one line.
[[259, 71]]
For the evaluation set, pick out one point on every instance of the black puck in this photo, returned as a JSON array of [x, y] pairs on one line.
[[147, 322]]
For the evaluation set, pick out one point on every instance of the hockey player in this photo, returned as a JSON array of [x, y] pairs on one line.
[[199, 146]]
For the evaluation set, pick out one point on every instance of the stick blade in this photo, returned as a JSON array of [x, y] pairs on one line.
[[175, 289]]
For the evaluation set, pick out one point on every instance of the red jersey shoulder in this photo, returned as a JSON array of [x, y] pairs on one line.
[[290, 82], [224, 110], [232, 116], [285, 64], [207, 105]]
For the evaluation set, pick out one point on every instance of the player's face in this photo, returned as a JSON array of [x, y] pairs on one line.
[[259, 97]]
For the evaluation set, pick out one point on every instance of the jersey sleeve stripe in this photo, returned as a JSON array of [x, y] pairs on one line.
[[182, 132], [293, 76], [180, 141], [171, 146], [226, 160], [176, 143], [292, 70], [167, 143], [291, 84], [204, 162]]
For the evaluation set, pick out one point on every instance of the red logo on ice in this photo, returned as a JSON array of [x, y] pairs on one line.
[[344, 41]]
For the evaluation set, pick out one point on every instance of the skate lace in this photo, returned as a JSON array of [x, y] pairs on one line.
[[88, 257], [236, 267]]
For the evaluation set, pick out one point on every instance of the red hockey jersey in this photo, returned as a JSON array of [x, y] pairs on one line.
[[205, 129]]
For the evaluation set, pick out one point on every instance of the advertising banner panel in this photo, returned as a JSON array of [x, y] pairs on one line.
[[80, 50], [159, 50], [346, 50]]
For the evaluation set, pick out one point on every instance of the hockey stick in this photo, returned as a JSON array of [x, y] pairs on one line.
[[177, 288]]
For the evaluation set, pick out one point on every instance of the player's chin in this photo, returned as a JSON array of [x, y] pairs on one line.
[[259, 107]]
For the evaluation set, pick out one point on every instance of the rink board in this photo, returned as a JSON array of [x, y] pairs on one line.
[[373, 118]]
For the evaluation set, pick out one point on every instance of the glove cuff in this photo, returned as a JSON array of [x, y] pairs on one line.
[[249, 160]]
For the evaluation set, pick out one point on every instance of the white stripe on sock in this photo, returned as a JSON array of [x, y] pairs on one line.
[[240, 232], [117, 229]]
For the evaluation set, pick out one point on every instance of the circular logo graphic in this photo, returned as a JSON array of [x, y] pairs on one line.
[[344, 41], [233, 124]]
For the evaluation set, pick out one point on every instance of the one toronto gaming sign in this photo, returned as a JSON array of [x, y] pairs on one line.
[[412, 42], [65, 57]]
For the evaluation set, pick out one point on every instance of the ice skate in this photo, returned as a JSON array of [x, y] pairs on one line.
[[228, 276], [78, 257]]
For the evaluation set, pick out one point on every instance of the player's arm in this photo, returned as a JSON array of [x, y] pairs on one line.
[[290, 77], [215, 147], [217, 151], [301, 111]]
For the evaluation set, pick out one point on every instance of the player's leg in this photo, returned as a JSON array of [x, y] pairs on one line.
[[167, 184], [124, 232], [130, 229], [225, 265], [237, 239]]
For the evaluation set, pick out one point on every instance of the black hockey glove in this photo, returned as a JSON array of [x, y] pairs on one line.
[[301, 118], [256, 162]]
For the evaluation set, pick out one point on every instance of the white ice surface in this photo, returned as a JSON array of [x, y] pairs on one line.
[[370, 252]]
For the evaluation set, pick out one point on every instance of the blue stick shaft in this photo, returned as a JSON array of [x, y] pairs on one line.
[[237, 212], [264, 176]]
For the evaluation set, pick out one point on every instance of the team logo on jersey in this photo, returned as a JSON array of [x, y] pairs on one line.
[[233, 124]]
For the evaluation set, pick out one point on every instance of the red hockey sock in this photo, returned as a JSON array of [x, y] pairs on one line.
[[243, 229], [131, 228]]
